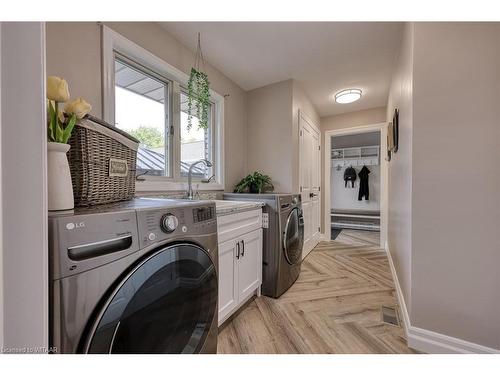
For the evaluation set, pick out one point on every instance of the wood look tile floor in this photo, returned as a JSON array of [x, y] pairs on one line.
[[334, 306]]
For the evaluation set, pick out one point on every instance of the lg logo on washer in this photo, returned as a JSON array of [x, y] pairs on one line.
[[71, 226]]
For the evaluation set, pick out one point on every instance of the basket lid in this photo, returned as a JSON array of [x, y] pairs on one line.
[[111, 127]]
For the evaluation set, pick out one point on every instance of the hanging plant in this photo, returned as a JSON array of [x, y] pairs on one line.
[[198, 92], [198, 98]]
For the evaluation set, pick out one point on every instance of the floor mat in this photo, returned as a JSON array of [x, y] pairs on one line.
[[335, 233]]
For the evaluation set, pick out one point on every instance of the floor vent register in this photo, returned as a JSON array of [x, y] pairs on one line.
[[390, 315]]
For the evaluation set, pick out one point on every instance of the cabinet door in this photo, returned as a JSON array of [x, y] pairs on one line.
[[228, 276], [250, 264]]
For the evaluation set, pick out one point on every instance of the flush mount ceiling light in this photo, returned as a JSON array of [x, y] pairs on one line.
[[347, 96]]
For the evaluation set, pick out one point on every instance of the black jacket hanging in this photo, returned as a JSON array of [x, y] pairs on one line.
[[363, 183], [349, 175]]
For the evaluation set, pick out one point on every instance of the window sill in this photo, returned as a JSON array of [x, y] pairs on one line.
[[171, 186]]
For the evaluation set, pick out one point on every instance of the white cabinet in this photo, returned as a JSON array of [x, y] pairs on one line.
[[250, 264], [240, 260], [228, 295]]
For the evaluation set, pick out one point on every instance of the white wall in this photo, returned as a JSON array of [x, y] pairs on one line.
[[24, 193], [352, 119], [456, 181], [444, 182], [269, 143], [346, 198], [400, 168], [273, 132]]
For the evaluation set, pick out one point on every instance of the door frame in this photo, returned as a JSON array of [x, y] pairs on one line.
[[317, 129], [384, 174]]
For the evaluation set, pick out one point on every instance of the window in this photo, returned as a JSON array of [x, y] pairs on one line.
[[141, 110], [147, 98], [196, 143]]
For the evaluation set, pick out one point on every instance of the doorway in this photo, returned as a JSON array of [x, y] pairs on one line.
[[355, 203]]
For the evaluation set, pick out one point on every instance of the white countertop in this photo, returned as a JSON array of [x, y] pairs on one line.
[[222, 207], [231, 207]]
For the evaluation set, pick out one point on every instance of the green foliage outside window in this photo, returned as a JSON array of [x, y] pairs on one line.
[[149, 136]]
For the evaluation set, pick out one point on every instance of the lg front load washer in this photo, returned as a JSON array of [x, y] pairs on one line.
[[134, 277]]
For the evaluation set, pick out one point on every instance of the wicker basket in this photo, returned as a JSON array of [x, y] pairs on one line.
[[102, 161]]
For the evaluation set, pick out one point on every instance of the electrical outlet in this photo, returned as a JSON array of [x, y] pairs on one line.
[[265, 220]]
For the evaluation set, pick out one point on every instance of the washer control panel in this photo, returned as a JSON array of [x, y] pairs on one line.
[[159, 224], [202, 214], [169, 223]]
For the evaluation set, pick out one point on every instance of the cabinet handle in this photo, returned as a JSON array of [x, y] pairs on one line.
[[237, 250], [243, 248]]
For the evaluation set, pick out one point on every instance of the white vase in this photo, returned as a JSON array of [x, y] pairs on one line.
[[60, 188]]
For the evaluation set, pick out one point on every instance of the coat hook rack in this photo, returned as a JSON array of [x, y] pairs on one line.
[[226, 96]]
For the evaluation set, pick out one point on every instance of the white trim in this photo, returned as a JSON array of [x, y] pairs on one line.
[[436, 343], [429, 341], [111, 42], [399, 292], [384, 174]]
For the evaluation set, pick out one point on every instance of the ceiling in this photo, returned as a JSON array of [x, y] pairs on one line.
[[324, 57]]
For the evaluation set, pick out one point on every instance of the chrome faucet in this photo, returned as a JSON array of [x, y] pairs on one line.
[[190, 176]]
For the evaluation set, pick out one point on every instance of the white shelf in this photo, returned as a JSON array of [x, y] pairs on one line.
[[356, 216], [355, 156]]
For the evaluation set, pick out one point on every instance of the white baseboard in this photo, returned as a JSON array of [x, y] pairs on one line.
[[308, 247], [436, 343], [399, 293], [429, 341]]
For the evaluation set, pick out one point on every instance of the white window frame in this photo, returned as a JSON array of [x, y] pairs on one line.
[[113, 42]]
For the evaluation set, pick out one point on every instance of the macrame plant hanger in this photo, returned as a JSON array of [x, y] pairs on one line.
[[198, 89], [199, 57]]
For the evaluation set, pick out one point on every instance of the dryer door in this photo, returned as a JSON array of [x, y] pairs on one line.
[[293, 236], [166, 304]]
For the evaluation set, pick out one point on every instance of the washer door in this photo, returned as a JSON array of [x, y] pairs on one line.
[[166, 304], [293, 236]]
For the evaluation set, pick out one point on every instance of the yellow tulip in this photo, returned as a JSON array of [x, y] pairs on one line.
[[79, 107], [57, 89]]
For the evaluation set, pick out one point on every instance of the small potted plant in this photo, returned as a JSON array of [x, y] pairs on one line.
[[255, 183], [60, 124]]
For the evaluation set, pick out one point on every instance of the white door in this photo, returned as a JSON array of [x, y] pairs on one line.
[[228, 276], [309, 176], [249, 264]]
